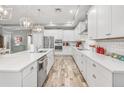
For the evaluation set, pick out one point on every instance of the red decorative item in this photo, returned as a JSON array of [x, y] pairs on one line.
[[100, 50], [78, 43]]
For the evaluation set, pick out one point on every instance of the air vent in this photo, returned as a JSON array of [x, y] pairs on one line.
[[58, 10]]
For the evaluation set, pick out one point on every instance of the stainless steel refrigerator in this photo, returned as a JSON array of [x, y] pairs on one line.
[[48, 41]]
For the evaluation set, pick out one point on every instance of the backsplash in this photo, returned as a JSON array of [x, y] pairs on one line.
[[113, 45]]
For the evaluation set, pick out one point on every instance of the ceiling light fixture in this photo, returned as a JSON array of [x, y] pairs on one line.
[[5, 13], [26, 22], [58, 10], [38, 28], [71, 11]]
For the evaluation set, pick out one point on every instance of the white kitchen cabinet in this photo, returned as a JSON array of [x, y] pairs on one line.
[[24, 78], [117, 20], [30, 76], [78, 61], [83, 66], [57, 33], [10, 79], [106, 21], [92, 23], [68, 35], [103, 21], [30, 80], [67, 50], [76, 56], [97, 76], [50, 57]]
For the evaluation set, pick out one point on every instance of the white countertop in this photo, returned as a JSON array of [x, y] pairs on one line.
[[18, 61], [113, 65]]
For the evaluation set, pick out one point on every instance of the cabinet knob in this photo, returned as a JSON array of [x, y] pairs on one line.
[[93, 65], [94, 76]]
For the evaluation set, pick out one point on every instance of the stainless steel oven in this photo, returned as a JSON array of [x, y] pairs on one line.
[[58, 44], [42, 70]]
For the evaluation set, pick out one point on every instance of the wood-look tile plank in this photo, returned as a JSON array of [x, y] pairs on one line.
[[65, 73]]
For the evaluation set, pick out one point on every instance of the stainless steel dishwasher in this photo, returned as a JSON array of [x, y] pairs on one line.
[[42, 70]]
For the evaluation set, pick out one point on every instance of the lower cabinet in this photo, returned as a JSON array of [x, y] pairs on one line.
[[50, 56], [24, 78], [67, 50], [98, 76], [30, 76], [83, 66], [95, 74]]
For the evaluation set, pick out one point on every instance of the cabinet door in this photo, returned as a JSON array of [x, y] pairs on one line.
[[97, 75], [49, 62], [92, 23], [83, 66], [68, 35], [50, 56], [31, 79], [29, 75], [118, 21], [103, 21]]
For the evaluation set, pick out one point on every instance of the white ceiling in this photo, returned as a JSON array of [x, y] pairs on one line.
[[47, 14]]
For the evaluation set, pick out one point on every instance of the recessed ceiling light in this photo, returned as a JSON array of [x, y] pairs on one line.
[[71, 11], [38, 10], [58, 10]]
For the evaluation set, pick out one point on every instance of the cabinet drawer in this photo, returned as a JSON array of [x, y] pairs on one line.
[[29, 69], [96, 67], [96, 79], [97, 75]]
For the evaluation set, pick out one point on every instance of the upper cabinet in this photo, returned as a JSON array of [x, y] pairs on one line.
[[68, 35], [105, 21], [92, 23], [118, 21], [57, 33]]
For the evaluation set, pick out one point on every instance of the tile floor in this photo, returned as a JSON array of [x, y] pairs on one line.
[[65, 73]]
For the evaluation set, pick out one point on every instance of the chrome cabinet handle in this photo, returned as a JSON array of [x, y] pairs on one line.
[[94, 76], [93, 65]]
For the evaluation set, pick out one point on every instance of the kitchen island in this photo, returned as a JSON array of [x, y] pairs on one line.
[[20, 69]]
